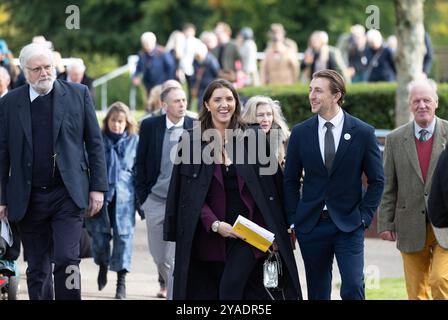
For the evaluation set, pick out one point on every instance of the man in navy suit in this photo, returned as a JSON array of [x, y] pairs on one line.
[[331, 151], [52, 168]]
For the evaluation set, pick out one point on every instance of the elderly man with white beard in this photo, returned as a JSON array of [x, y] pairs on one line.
[[52, 171]]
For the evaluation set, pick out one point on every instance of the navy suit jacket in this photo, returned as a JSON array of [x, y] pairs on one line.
[[77, 140], [341, 188], [149, 153]]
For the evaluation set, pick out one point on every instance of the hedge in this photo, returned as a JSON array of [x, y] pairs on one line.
[[371, 102], [118, 90]]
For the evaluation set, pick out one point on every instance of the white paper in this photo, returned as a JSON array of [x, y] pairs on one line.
[[6, 232], [255, 227]]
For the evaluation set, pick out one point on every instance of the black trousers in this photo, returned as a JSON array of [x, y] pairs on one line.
[[239, 278], [50, 233]]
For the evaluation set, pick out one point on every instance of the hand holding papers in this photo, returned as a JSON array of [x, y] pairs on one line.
[[253, 234]]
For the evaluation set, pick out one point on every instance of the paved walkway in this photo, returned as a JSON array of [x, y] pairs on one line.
[[381, 259]]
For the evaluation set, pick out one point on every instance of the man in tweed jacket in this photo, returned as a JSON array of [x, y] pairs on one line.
[[410, 157]]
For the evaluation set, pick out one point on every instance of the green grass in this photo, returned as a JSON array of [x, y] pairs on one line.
[[388, 289]]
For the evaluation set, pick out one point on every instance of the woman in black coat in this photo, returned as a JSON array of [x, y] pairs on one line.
[[210, 186]]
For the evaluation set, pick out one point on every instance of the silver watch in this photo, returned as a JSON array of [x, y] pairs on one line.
[[215, 226]]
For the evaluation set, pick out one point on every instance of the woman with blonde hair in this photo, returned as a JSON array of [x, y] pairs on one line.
[[116, 220], [175, 48], [268, 114], [154, 103]]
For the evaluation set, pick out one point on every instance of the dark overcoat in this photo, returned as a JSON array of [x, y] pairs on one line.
[[190, 184], [77, 141]]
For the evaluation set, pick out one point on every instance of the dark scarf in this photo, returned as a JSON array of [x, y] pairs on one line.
[[115, 146]]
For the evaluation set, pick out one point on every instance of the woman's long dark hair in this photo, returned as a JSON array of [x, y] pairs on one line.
[[205, 117]]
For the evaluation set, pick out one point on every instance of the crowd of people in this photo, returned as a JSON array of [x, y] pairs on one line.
[[60, 172], [358, 55]]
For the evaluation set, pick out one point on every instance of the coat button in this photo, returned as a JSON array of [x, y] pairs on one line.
[[423, 212], [426, 194], [28, 182], [28, 164], [271, 198], [194, 175]]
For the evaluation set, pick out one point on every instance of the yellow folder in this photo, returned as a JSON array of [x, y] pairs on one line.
[[253, 234]]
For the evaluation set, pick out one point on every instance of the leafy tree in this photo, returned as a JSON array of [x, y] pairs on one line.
[[104, 25], [113, 27]]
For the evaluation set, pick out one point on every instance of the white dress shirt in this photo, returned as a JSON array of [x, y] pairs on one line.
[[430, 129], [169, 124], [338, 124]]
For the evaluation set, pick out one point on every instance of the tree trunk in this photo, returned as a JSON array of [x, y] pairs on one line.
[[410, 53]]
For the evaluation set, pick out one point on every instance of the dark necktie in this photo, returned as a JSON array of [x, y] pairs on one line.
[[423, 135], [329, 149], [173, 128]]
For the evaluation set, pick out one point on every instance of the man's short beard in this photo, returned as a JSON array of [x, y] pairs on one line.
[[42, 88]]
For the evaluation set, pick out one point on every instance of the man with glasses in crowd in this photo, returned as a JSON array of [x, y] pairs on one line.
[[52, 168]]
